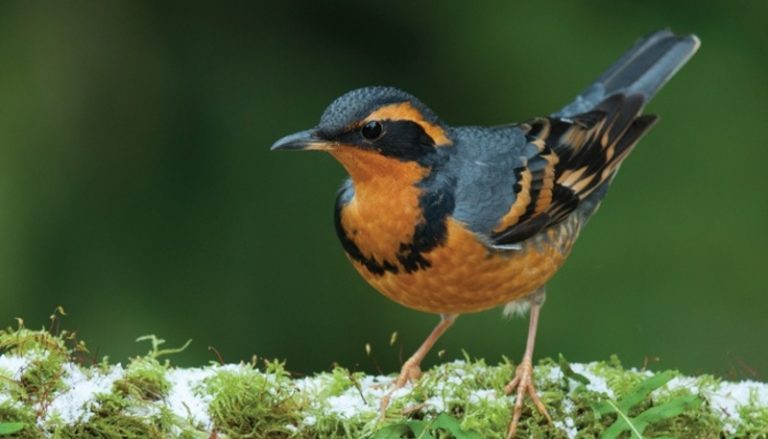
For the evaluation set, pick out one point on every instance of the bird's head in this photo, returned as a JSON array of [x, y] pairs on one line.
[[373, 128]]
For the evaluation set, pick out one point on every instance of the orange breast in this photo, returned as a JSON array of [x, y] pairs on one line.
[[385, 209], [464, 276]]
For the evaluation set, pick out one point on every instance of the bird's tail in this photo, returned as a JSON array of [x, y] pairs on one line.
[[643, 70]]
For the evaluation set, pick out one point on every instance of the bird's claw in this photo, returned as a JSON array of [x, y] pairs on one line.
[[523, 384], [410, 372]]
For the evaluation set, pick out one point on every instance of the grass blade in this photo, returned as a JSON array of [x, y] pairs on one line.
[[669, 409], [452, 426], [10, 427], [642, 390], [565, 366], [622, 423]]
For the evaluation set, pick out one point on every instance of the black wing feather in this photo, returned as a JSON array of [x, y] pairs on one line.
[[575, 157]]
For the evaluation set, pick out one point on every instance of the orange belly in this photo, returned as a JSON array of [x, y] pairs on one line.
[[464, 276]]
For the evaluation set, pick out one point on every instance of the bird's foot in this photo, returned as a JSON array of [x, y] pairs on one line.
[[410, 372], [523, 383]]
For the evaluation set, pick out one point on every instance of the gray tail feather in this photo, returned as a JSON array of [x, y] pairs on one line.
[[647, 66], [644, 70]]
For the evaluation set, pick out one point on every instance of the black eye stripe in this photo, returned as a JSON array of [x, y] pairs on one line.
[[401, 139], [405, 140]]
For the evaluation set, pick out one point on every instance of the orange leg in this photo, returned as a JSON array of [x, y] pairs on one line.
[[523, 381], [411, 369]]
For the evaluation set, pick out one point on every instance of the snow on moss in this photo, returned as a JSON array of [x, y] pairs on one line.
[[148, 398], [71, 405], [185, 399], [729, 400], [12, 365]]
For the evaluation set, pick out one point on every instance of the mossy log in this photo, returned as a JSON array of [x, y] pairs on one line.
[[46, 391]]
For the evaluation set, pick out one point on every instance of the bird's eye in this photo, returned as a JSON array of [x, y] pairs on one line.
[[372, 130]]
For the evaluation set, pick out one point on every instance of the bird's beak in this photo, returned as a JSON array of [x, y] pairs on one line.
[[303, 140]]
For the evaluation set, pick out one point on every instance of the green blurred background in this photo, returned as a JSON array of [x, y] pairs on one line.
[[138, 191]]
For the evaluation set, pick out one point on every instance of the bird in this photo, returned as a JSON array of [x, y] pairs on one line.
[[451, 220]]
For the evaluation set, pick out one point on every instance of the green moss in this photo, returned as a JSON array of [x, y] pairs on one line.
[[10, 412], [755, 421], [248, 403], [456, 385], [114, 416], [134, 408], [144, 379], [699, 422], [619, 379], [339, 381], [41, 378]]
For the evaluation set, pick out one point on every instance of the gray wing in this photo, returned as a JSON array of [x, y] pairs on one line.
[[483, 166]]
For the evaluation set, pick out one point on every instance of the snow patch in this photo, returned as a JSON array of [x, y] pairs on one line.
[[183, 400], [597, 383], [436, 403], [72, 404], [677, 383], [482, 395], [568, 426], [727, 398], [14, 365], [348, 405]]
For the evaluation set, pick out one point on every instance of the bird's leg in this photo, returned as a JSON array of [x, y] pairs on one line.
[[411, 369], [523, 381]]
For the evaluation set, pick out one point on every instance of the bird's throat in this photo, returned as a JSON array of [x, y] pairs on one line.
[[369, 167], [385, 210]]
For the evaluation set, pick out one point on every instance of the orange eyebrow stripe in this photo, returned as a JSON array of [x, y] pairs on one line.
[[406, 111]]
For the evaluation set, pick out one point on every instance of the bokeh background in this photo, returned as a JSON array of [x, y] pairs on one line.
[[138, 191]]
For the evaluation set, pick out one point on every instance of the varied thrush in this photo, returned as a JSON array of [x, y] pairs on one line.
[[452, 220]]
